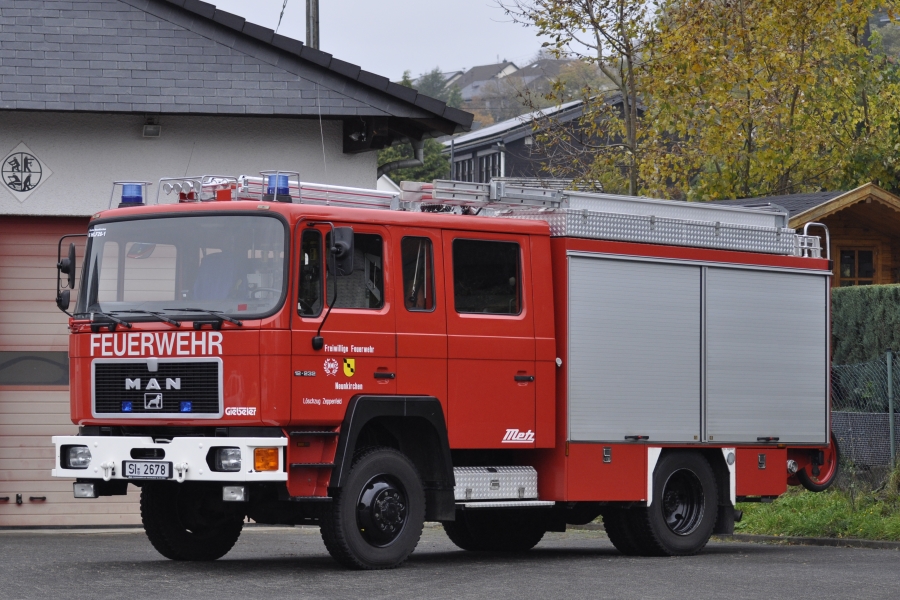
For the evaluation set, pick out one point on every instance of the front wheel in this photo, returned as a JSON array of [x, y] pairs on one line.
[[188, 522], [827, 472], [682, 514], [376, 520]]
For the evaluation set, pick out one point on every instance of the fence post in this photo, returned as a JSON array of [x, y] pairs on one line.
[[890, 383]]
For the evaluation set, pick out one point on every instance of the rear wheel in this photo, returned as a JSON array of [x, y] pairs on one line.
[[617, 523], [682, 514], [504, 530], [827, 472], [376, 520], [188, 522]]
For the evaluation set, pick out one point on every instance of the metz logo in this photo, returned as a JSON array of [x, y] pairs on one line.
[[514, 436]]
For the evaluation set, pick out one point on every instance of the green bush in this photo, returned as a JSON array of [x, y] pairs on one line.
[[865, 322]]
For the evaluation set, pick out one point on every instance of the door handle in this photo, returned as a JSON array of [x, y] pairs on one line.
[[524, 377], [383, 375]]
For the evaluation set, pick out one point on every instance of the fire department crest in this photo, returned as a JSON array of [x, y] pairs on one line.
[[349, 367], [331, 366], [22, 172]]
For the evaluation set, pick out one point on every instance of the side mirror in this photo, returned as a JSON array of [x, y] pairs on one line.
[[63, 299], [341, 251], [67, 266]]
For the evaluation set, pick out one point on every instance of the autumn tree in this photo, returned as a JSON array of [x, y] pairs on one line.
[[757, 97], [437, 166], [611, 36]]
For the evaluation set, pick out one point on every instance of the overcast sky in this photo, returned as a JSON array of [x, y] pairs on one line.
[[388, 37]]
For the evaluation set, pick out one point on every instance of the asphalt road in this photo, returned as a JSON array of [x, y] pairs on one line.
[[275, 563]]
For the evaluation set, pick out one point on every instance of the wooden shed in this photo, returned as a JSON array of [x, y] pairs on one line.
[[864, 224]]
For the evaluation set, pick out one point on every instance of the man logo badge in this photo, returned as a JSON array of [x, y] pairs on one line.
[[153, 401]]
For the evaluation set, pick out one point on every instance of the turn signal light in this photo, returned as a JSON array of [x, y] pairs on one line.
[[265, 459]]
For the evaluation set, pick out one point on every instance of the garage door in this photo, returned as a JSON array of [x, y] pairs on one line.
[[34, 395]]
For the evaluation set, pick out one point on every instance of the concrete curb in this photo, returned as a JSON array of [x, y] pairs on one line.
[[810, 541], [776, 539]]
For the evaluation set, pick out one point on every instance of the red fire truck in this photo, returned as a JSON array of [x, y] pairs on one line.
[[501, 358]]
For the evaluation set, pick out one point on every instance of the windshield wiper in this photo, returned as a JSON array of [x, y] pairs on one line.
[[159, 316], [215, 313], [95, 326]]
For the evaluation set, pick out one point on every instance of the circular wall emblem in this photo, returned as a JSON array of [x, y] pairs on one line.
[[21, 172]]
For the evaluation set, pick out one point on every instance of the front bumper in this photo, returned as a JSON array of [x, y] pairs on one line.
[[188, 456]]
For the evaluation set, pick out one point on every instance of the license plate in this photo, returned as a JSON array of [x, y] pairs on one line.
[[146, 469]]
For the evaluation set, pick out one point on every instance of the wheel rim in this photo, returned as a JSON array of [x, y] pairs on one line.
[[683, 502], [827, 470], [381, 511]]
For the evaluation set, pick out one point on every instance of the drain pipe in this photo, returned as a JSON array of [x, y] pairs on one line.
[[417, 161]]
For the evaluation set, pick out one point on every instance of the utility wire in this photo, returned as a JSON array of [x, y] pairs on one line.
[[283, 6]]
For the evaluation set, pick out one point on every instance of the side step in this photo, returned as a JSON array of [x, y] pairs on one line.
[[508, 504]]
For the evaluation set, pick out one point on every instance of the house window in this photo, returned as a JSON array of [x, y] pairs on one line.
[[856, 267]]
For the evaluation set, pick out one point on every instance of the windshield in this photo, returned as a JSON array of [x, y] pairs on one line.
[[225, 263]]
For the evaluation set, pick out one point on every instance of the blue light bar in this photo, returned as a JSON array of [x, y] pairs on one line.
[[132, 193], [186, 406], [281, 187], [126, 406]]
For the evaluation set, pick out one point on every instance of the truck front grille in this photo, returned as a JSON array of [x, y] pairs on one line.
[[176, 388]]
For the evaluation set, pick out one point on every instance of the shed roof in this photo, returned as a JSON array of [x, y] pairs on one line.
[[187, 57], [813, 206], [794, 203]]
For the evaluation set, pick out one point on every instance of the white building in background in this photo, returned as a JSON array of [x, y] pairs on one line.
[[113, 90]]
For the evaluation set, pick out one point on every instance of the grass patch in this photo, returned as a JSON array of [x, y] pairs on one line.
[[834, 514]]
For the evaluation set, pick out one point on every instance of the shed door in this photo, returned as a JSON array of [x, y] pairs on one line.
[[766, 356], [634, 350]]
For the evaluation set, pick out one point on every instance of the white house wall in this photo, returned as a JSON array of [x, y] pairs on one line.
[[87, 152]]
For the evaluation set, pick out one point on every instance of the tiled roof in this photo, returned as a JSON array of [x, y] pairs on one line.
[[794, 203], [185, 56], [481, 73]]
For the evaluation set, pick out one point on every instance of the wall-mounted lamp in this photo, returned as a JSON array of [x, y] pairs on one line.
[[152, 129]]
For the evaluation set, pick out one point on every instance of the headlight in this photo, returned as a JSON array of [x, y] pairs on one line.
[[228, 459], [78, 457]]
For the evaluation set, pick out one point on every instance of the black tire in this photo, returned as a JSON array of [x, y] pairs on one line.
[[821, 482], [617, 523], [683, 511], [503, 530], [376, 520], [188, 522], [459, 534]]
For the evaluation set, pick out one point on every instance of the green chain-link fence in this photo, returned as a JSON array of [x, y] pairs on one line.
[[861, 407]]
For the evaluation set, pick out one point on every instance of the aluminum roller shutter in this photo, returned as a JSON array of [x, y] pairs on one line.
[[766, 356], [634, 350]]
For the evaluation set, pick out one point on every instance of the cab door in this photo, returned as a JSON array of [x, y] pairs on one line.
[[359, 353], [420, 313], [490, 340]]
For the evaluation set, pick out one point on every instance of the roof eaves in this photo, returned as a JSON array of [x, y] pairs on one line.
[[294, 47]]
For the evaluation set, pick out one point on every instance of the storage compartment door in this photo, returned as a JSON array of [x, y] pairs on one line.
[[634, 350], [766, 356]]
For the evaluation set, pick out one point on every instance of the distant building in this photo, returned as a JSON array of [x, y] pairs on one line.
[[473, 82], [505, 149]]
